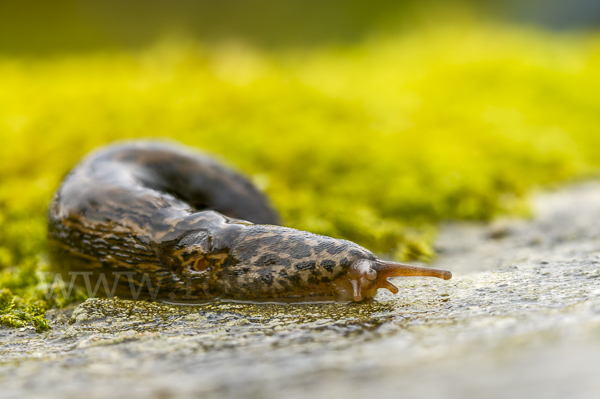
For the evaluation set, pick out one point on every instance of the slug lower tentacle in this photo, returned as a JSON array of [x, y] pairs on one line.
[[155, 220]]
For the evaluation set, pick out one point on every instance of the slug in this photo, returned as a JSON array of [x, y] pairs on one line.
[[152, 219]]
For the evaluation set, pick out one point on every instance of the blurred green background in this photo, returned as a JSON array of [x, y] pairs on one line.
[[370, 121], [42, 27], [37, 27]]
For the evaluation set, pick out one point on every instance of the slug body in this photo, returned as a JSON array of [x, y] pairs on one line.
[[156, 220]]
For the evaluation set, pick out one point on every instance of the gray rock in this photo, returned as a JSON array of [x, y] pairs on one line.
[[520, 318]]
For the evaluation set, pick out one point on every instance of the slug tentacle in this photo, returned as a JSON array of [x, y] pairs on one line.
[[181, 227], [394, 269], [367, 276]]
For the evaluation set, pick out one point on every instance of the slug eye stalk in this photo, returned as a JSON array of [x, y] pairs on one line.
[[368, 276], [393, 269]]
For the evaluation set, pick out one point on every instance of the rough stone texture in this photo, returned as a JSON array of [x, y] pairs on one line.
[[520, 318]]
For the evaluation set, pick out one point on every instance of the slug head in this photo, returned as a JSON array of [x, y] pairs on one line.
[[365, 277]]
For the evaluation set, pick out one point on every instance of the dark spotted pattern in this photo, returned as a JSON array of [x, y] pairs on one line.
[[309, 265], [328, 265], [187, 223]]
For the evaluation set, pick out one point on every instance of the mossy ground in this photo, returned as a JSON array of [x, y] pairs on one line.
[[373, 142]]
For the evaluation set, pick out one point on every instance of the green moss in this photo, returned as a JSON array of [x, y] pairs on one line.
[[16, 312], [374, 142]]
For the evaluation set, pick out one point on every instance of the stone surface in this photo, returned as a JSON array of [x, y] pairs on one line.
[[520, 318]]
